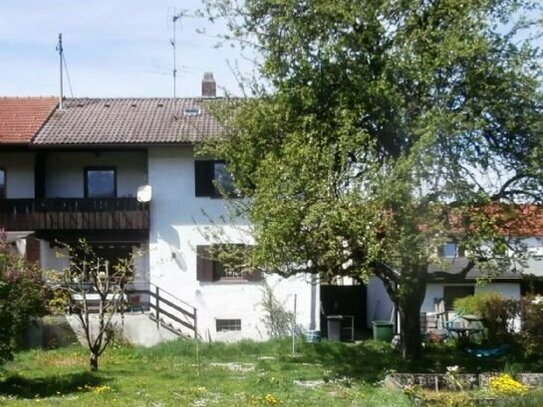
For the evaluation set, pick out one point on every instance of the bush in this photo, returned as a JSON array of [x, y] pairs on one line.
[[531, 335], [505, 385], [21, 298], [496, 311]]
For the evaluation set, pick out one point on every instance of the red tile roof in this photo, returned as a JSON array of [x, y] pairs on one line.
[[22, 117]]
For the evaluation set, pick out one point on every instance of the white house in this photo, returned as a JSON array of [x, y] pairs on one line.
[[76, 175], [75, 172]]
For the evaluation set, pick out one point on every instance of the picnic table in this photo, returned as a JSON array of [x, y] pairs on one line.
[[464, 326]]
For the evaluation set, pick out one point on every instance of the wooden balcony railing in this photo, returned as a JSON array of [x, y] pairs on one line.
[[74, 214]]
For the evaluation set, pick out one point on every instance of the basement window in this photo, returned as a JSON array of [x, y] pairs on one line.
[[227, 325]]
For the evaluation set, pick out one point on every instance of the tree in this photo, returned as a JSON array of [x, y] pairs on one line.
[[381, 130], [22, 297], [94, 290]]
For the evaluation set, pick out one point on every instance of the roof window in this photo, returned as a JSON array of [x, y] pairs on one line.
[[192, 111]]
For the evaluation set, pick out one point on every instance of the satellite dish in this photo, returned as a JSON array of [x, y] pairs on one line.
[[145, 193]]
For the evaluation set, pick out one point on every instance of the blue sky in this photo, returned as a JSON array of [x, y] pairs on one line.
[[112, 48]]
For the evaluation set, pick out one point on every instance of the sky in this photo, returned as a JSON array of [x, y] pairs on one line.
[[112, 48]]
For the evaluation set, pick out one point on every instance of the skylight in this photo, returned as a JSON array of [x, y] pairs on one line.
[[191, 111]]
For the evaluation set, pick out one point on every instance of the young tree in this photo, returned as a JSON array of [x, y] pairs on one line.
[[95, 292], [390, 127], [22, 297]]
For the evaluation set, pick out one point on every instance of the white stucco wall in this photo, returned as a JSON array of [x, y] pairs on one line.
[[178, 224], [435, 291], [19, 168], [65, 171], [380, 306], [53, 258]]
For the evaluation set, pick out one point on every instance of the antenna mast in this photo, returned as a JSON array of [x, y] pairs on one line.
[[175, 17], [60, 52]]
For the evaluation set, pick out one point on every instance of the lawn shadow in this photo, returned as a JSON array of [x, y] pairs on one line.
[[367, 360], [370, 361], [29, 388]]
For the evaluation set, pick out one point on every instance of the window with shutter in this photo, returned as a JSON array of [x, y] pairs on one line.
[[203, 173], [208, 269], [204, 265], [212, 180]]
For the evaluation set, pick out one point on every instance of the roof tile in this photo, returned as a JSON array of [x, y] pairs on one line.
[[22, 117], [128, 121]]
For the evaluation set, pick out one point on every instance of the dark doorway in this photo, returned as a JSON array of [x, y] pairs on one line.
[[349, 300]]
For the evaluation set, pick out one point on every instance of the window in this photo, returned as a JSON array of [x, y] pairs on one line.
[[191, 111], [451, 250], [100, 182], [453, 292], [227, 325], [212, 179], [3, 191], [211, 270]]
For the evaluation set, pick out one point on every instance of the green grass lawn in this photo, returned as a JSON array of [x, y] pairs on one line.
[[241, 374]]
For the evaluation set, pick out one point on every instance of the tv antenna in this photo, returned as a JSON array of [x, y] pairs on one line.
[[176, 16], [60, 54]]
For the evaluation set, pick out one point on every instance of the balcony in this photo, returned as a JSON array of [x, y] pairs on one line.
[[75, 214]]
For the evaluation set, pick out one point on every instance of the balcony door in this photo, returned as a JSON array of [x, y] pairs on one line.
[[3, 193], [100, 182]]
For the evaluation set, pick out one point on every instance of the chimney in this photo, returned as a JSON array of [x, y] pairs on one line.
[[209, 86]]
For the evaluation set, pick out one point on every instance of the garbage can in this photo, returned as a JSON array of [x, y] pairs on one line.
[[334, 327], [382, 330]]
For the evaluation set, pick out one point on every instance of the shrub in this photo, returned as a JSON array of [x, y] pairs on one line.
[[496, 311], [505, 385], [21, 298], [531, 335]]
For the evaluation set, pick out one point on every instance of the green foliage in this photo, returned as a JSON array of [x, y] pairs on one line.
[[497, 312], [476, 304], [22, 298], [531, 335], [387, 124], [237, 374], [277, 320]]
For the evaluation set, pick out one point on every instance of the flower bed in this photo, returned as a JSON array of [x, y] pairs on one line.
[[462, 389]]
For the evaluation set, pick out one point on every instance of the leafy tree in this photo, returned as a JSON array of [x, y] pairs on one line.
[[380, 131], [22, 297]]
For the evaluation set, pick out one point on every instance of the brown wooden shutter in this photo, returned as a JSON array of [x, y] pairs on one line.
[[204, 265], [203, 178], [254, 276], [32, 250]]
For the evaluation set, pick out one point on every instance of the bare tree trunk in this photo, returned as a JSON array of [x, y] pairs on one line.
[[93, 362], [411, 295], [410, 330]]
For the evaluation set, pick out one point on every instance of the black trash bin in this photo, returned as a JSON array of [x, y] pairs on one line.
[[334, 327]]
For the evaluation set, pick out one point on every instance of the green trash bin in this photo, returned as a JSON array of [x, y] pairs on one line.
[[383, 330]]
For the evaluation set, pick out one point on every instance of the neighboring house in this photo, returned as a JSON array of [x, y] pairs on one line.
[[20, 120], [78, 178], [445, 285]]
